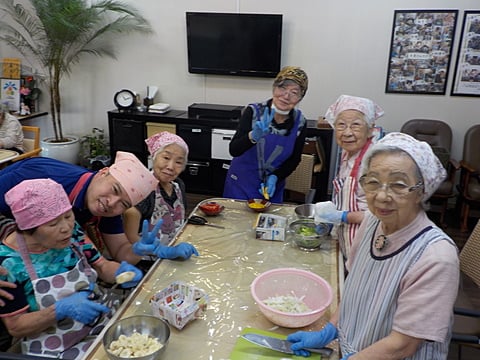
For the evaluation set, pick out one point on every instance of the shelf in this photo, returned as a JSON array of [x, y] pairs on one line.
[[31, 116]]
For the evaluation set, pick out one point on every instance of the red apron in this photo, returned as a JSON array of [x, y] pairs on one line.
[[345, 198], [91, 226]]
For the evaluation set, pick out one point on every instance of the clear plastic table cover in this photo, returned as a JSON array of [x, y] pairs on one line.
[[229, 261]]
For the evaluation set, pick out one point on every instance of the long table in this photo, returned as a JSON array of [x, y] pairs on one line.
[[229, 261]]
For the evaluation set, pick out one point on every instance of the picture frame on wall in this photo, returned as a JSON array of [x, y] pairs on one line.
[[420, 51], [466, 81], [10, 93]]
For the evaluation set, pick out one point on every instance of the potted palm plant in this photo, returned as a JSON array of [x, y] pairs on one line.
[[56, 34]]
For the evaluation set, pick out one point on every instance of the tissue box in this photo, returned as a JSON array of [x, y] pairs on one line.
[[179, 303]]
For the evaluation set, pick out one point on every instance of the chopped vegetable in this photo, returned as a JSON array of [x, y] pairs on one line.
[[306, 231], [287, 304]]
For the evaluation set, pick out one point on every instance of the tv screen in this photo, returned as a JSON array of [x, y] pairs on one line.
[[234, 44]]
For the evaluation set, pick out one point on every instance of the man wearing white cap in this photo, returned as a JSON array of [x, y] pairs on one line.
[[98, 198]]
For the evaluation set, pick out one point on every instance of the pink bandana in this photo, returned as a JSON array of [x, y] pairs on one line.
[[161, 140], [135, 178], [346, 102], [36, 202]]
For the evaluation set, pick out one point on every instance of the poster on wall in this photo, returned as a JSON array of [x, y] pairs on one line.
[[466, 81], [10, 93], [420, 51]]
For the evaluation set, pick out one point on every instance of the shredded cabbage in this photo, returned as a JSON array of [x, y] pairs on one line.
[[287, 304]]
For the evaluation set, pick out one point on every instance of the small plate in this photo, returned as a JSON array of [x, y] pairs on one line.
[[211, 208], [258, 205]]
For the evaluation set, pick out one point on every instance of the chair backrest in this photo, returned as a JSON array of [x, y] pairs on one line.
[[301, 179], [434, 132], [31, 137], [471, 153], [31, 143], [469, 256]]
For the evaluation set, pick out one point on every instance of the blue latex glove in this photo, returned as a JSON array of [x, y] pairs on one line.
[[262, 127], [183, 250], [78, 307], [327, 212], [271, 185], [319, 228], [347, 356], [124, 267], [312, 339], [146, 245]]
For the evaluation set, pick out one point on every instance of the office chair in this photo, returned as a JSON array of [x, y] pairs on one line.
[[438, 135], [469, 184]]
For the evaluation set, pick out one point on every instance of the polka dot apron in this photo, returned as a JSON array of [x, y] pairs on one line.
[[68, 339]]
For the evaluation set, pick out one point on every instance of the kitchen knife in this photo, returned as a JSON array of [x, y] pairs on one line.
[[281, 345]]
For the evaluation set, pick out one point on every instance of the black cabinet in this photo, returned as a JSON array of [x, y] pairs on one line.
[[197, 177], [128, 135], [198, 138], [203, 174]]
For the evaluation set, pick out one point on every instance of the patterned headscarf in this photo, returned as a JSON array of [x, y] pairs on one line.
[[36, 202], [295, 74], [135, 178], [158, 142], [432, 170], [346, 102]]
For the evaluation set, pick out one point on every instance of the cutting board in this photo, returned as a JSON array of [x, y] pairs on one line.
[[245, 350]]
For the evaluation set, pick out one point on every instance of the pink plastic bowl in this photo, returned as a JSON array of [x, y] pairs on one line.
[[317, 294]]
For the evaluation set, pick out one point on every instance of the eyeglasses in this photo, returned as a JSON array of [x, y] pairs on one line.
[[372, 185], [355, 126], [293, 94]]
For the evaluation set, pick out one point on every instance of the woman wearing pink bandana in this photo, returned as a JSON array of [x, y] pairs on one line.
[[353, 119], [55, 269], [166, 205]]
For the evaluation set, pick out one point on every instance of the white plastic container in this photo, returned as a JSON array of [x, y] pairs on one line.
[[179, 303]]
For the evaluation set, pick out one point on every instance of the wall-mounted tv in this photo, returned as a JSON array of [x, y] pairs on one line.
[[234, 43]]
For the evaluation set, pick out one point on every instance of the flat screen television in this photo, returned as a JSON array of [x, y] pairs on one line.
[[234, 43]]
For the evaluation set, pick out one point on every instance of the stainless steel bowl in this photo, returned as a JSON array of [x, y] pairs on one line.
[[307, 235], [305, 211], [143, 324]]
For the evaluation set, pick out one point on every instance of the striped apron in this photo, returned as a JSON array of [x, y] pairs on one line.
[[345, 198], [367, 312]]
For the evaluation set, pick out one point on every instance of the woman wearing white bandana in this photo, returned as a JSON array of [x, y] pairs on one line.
[[353, 119], [398, 298]]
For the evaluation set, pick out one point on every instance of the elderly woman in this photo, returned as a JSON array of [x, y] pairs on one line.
[[353, 119], [11, 134], [164, 207], [55, 270], [404, 271], [268, 143]]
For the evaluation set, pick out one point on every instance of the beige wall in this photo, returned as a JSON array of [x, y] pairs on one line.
[[343, 45]]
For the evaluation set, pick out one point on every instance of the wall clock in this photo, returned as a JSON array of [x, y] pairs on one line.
[[124, 100]]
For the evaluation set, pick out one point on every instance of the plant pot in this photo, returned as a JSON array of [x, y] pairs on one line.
[[65, 151]]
